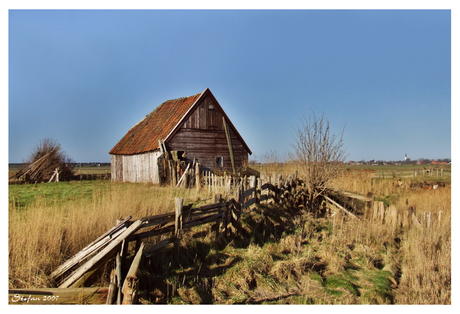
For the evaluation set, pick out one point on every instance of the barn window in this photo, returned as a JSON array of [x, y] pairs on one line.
[[220, 161], [211, 107]]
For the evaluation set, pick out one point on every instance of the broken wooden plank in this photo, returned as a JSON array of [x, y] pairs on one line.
[[89, 264], [340, 207], [90, 249], [351, 195], [183, 175], [92, 295]]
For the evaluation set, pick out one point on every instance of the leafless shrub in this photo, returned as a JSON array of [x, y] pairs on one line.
[[319, 153]]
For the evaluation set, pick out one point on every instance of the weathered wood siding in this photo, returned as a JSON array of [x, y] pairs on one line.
[[202, 136], [135, 168], [204, 118]]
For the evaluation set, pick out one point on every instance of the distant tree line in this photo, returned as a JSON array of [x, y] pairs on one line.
[[422, 161]]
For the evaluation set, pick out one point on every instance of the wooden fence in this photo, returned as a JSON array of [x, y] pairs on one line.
[[224, 214], [408, 217], [425, 171], [91, 176], [390, 215]]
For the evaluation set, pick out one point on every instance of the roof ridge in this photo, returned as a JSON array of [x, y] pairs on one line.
[[131, 142], [158, 107]]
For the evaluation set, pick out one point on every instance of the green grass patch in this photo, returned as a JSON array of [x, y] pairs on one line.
[[21, 196], [341, 282]]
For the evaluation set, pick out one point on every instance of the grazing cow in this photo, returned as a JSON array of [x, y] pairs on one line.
[[399, 182]]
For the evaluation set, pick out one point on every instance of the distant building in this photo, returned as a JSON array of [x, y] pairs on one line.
[[438, 163]]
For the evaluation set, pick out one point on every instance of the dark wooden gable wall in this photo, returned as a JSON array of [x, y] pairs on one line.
[[202, 136]]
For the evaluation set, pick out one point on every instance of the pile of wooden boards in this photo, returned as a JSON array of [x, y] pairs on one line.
[[39, 169], [97, 254]]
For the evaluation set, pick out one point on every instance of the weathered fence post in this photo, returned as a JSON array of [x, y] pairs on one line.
[[375, 212], [131, 284], [212, 182], [119, 275], [410, 213], [198, 177], [179, 202], [239, 206], [228, 184], [252, 184], [258, 191], [393, 215], [369, 205], [428, 225], [226, 219], [173, 173], [382, 211], [217, 199], [407, 215], [278, 191], [112, 294]]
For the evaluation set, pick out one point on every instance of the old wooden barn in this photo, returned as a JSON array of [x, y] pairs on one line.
[[193, 129]]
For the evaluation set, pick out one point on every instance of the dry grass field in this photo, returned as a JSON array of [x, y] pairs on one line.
[[282, 256]]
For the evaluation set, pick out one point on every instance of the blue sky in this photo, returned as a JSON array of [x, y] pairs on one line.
[[86, 77]]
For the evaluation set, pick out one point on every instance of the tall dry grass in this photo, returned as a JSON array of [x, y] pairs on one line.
[[423, 255], [46, 233], [321, 261], [426, 263]]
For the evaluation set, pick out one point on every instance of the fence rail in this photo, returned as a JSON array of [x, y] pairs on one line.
[[425, 171]]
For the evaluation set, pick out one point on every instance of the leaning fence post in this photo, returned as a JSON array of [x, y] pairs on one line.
[[178, 225]]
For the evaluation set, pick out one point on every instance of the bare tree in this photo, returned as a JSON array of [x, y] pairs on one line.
[[319, 154]]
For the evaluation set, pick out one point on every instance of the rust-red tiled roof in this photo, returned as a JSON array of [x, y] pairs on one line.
[[144, 136]]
